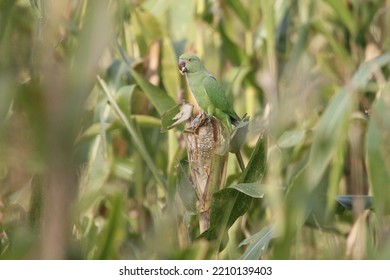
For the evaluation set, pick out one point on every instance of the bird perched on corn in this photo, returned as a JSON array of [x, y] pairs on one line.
[[208, 93]]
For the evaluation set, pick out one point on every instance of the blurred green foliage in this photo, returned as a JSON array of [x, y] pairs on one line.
[[86, 173]]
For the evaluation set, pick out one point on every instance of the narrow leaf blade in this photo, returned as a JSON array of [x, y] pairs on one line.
[[251, 189], [160, 100]]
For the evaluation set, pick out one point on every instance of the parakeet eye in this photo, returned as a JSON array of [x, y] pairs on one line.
[[189, 59]]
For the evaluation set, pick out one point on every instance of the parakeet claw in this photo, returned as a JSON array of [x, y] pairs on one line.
[[197, 122]]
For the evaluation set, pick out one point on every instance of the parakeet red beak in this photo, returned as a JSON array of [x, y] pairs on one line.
[[182, 67]]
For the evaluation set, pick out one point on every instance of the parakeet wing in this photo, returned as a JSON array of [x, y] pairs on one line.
[[217, 96]]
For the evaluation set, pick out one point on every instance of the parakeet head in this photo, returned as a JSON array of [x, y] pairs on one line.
[[189, 63]]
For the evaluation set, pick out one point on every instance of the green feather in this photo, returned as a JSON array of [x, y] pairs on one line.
[[217, 96]]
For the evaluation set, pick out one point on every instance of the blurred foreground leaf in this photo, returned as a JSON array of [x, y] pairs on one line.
[[378, 150], [291, 138], [258, 243], [342, 10], [330, 131], [140, 145], [332, 127]]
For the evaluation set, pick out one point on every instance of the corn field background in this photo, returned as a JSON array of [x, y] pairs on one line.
[[86, 171]]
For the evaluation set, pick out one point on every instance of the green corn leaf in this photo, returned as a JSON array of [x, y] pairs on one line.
[[229, 204], [258, 243], [160, 100], [254, 190]]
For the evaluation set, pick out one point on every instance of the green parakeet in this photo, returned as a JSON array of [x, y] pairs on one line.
[[208, 93]]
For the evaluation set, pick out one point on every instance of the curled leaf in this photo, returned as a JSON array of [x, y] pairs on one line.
[[184, 114], [238, 136], [176, 115]]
